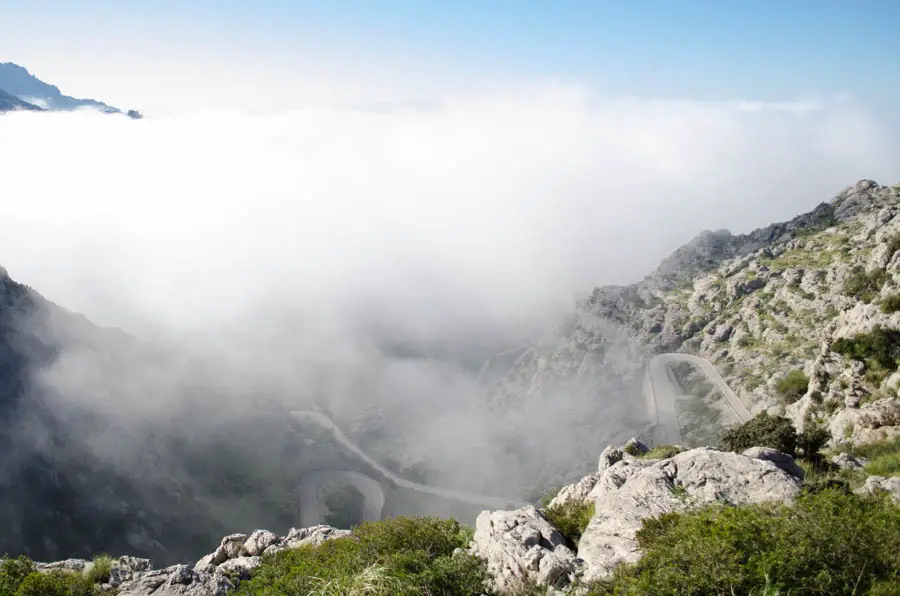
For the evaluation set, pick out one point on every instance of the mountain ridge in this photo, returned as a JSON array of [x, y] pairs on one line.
[[18, 82]]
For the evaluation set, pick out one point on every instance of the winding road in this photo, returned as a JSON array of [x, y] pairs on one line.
[[311, 509], [660, 391]]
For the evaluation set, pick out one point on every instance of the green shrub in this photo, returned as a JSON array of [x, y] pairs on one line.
[[811, 441], [571, 520], [12, 573], [662, 452], [878, 349], [399, 556], [793, 386], [864, 286], [98, 573], [891, 304], [18, 577], [811, 548], [763, 430]]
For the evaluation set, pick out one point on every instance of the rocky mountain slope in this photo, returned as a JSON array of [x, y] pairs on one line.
[[10, 102], [761, 306], [17, 82]]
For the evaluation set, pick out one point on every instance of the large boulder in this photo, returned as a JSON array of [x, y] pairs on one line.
[[628, 492], [178, 580], [521, 548]]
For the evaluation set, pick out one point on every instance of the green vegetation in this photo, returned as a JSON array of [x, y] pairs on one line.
[[396, 557], [19, 577], [662, 452], [793, 386], [884, 457], [571, 520], [864, 286], [879, 350], [99, 572], [776, 432], [829, 542], [891, 304]]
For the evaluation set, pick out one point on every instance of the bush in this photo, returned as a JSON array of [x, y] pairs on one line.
[[891, 304], [763, 430], [98, 573], [811, 441], [812, 547], [793, 386], [571, 520], [393, 557], [18, 577], [864, 286], [878, 349]]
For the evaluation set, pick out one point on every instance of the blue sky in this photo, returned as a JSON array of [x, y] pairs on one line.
[[727, 49]]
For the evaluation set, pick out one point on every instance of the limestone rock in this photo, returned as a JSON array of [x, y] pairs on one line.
[[240, 567], [782, 460], [877, 484], [178, 580], [521, 546], [845, 461], [315, 536], [628, 492], [258, 542], [576, 493], [229, 548]]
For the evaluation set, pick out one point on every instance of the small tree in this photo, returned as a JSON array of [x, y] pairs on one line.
[[775, 432]]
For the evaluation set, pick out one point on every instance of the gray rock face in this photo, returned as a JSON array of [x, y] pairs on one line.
[[521, 547], [879, 484], [576, 493], [178, 580], [630, 491], [258, 542], [845, 461], [782, 460], [215, 574]]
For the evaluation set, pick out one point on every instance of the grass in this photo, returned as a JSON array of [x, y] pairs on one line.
[[864, 286], [662, 452], [813, 547], [884, 457], [890, 304], [99, 571], [793, 386], [571, 519], [397, 557]]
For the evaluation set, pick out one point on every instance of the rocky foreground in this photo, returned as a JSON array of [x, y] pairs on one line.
[[521, 548]]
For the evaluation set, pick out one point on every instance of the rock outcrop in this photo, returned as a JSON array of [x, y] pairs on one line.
[[215, 574], [632, 490], [522, 548]]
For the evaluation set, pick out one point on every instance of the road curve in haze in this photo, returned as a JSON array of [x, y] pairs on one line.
[[447, 493], [661, 392], [312, 510]]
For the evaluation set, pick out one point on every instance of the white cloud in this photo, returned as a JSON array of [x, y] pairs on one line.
[[497, 205], [268, 239]]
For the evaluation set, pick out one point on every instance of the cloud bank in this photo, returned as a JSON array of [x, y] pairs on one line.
[[298, 246]]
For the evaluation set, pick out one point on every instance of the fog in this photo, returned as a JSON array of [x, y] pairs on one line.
[[292, 248]]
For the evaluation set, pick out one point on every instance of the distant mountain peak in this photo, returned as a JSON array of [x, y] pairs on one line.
[[18, 83]]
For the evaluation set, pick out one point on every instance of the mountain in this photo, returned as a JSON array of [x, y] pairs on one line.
[[800, 317], [9, 103], [16, 81]]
